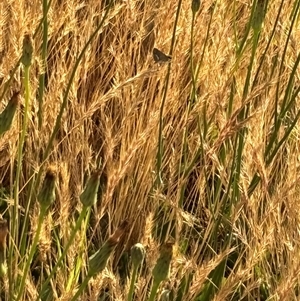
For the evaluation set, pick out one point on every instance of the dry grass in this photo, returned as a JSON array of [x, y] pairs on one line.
[[113, 116]]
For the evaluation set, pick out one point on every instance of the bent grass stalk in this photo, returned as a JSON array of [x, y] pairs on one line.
[[88, 198], [98, 261], [8, 114], [66, 249], [74, 274], [162, 268], [45, 198], [31, 253]]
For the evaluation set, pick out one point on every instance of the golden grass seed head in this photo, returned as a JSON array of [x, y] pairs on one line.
[[162, 268], [137, 254], [7, 116], [47, 193], [89, 195], [27, 51]]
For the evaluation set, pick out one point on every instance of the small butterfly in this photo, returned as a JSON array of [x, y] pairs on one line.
[[160, 57]]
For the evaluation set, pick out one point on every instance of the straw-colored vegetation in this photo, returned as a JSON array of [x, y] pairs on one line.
[[127, 179]]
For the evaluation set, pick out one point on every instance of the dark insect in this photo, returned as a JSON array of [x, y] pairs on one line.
[[160, 57]]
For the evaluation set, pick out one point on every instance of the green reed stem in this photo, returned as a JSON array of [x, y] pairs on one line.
[[132, 283], [32, 251]]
